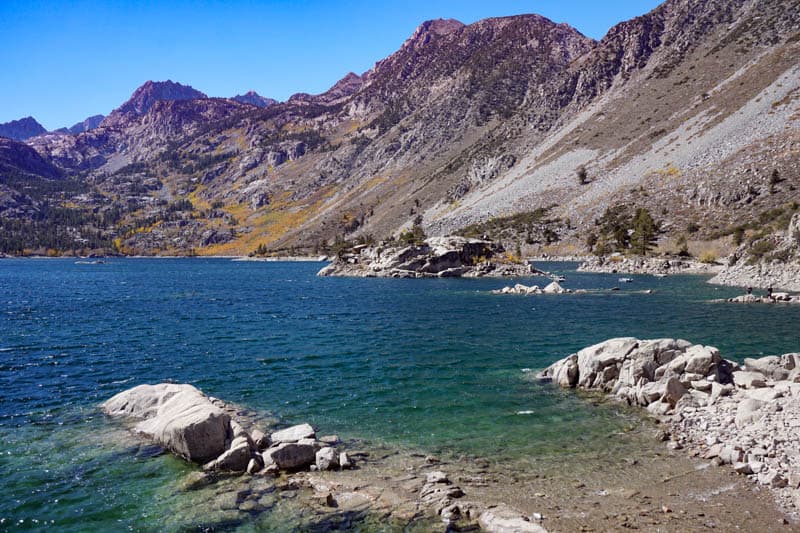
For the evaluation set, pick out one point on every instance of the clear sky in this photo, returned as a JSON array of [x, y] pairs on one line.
[[62, 61]]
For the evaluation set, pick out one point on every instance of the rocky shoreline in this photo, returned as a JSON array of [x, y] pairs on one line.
[[778, 275], [744, 416], [210, 432], [436, 257], [620, 264], [776, 298], [391, 489], [778, 268]]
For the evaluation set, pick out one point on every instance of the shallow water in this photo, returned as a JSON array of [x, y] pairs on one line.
[[440, 366]]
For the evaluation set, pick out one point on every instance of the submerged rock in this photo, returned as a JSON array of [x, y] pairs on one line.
[[504, 519]]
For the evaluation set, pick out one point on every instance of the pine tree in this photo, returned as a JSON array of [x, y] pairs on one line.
[[645, 231]]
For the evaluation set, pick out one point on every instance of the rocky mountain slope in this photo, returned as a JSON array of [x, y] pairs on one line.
[[688, 111], [21, 129], [86, 125]]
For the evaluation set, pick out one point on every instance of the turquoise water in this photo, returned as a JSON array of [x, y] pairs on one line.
[[431, 365]]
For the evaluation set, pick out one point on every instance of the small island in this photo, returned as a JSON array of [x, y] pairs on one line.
[[434, 257]]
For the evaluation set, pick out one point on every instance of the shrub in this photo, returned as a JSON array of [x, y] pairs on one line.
[[738, 236], [415, 235], [759, 249], [708, 256]]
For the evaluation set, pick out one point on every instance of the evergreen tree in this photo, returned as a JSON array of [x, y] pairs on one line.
[[645, 231]]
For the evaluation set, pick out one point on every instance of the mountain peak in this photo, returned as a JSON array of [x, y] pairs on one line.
[[148, 94], [253, 98], [21, 129], [438, 27]]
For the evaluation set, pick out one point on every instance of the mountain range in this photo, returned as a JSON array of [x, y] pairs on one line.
[[514, 126]]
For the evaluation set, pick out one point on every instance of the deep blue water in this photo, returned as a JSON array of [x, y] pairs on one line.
[[435, 365]]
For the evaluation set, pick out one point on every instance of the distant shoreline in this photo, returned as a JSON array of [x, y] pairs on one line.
[[297, 259]]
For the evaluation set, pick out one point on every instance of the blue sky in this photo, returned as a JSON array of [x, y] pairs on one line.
[[62, 61]]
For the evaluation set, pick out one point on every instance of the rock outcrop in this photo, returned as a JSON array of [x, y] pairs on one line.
[[204, 430], [771, 261], [552, 288], [747, 416], [443, 257], [178, 417]]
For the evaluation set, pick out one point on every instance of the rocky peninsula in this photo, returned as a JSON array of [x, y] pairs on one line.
[[442, 257], [621, 264], [746, 416]]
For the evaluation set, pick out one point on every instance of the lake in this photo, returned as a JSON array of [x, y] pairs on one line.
[[437, 366]]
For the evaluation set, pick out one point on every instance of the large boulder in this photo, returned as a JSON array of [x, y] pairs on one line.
[[749, 380], [592, 360], [774, 367], [565, 374], [700, 359], [291, 455], [178, 417], [235, 459], [327, 458]]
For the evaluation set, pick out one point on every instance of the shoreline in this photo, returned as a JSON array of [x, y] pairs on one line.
[[744, 418], [634, 483], [292, 258]]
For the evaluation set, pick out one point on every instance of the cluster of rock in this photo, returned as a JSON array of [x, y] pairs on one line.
[[777, 297], [780, 268], [618, 263], [747, 416], [439, 493], [202, 429], [443, 257], [519, 288]]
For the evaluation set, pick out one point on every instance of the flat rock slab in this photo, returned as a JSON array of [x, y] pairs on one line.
[[503, 519], [293, 434]]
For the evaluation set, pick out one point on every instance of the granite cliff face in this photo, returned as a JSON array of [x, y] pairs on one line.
[[86, 125], [687, 110]]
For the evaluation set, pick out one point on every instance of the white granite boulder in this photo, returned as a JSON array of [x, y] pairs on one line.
[[293, 434], [178, 417], [291, 455]]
